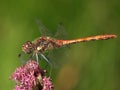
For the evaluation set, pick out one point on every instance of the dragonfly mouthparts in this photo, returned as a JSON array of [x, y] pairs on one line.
[[27, 47]]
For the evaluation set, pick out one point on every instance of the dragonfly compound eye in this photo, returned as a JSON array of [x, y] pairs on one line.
[[27, 47]]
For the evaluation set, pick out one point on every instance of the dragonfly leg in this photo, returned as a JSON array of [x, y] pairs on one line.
[[46, 59], [37, 57], [47, 62]]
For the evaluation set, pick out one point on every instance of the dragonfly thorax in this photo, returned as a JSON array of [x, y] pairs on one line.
[[43, 44], [28, 47]]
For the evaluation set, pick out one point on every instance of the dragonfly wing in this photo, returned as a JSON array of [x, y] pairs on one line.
[[24, 57], [61, 32], [43, 30], [54, 55]]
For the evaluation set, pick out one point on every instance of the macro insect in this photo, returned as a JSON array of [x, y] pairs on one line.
[[45, 43]]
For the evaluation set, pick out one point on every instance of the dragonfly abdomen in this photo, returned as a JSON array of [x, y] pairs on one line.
[[92, 38]]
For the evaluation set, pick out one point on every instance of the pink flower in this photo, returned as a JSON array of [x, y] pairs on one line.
[[47, 84], [30, 76]]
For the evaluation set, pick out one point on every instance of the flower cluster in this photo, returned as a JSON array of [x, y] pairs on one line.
[[31, 77]]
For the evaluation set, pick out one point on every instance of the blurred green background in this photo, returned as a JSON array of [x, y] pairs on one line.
[[84, 66]]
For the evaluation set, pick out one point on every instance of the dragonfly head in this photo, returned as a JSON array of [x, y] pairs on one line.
[[28, 47]]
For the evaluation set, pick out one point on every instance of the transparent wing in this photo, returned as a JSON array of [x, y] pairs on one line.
[[61, 32], [56, 57], [43, 30], [23, 58]]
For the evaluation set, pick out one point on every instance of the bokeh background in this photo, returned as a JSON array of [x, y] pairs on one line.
[[84, 66]]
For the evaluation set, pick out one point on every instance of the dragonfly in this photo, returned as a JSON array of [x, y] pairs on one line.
[[46, 43]]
